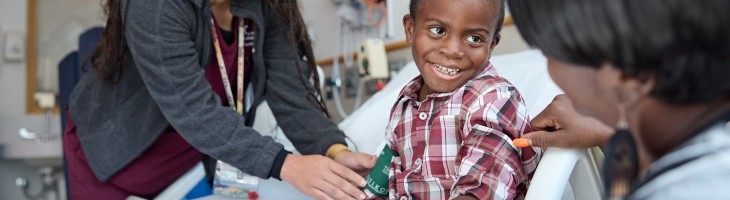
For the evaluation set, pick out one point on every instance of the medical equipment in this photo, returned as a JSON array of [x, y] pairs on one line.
[[372, 61], [375, 6], [347, 19]]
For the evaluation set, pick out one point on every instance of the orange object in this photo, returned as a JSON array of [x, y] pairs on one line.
[[253, 195], [521, 142], [379, 85]]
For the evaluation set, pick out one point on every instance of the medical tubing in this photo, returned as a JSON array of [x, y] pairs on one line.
[[336, 75], [358, 95], [346, 39]]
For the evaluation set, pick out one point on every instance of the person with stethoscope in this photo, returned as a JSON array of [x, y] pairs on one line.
[[174, 81]]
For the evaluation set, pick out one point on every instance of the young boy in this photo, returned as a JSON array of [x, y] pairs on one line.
[[452, 127]]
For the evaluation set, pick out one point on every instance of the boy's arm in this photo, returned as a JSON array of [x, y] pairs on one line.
[[490, 167]]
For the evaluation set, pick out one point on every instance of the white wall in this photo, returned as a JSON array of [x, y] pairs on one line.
[[59, 25], [12, 87], [12, 110], [321, 17]]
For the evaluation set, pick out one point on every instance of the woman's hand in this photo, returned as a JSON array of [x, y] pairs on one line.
[[358, 162], [322, 178], [560, 125]]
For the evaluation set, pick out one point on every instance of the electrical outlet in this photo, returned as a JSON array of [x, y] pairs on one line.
[[14, 48]]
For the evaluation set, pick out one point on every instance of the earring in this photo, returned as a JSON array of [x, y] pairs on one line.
[[621, 166]]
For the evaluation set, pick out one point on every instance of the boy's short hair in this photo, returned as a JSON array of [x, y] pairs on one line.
[[413, 7], [682, 44]]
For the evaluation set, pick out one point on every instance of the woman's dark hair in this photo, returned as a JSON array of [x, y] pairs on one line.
[[413, 7], [301, 45], [682, 44], [107, 57]]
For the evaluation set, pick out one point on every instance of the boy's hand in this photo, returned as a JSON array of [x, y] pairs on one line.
[[322, 178], [358, 162], [560, 125]]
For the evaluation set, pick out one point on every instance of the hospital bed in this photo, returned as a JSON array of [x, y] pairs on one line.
[[561, 174]]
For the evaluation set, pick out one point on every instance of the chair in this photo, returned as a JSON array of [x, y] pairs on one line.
[[69, 74], [72, 67], [67, 79], [568, 174]]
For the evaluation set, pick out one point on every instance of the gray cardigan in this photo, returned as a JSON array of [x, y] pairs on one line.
[[163, 84]]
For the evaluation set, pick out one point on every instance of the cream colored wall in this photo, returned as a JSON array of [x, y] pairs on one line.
[[59, 25], [321, 19]]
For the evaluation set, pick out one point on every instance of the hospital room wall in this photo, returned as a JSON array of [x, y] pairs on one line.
[[511, 42], [16, 156], [320, 17]]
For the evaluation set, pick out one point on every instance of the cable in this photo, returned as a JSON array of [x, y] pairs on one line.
[[336, 73], [346, 39]]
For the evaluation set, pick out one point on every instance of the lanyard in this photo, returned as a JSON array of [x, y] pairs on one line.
[[238, 104]]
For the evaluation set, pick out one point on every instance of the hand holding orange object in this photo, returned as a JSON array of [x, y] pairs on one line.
[[560, 125]]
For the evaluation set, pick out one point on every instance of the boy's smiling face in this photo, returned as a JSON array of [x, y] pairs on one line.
[[451, 41]]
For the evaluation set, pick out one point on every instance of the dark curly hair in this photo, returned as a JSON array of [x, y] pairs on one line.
[[682, 44], [413, 7]]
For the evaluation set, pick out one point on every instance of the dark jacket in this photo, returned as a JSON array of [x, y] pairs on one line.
[[163, 83]]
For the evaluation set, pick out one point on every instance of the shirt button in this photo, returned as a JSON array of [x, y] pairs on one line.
[[403, 198], [423, 116]]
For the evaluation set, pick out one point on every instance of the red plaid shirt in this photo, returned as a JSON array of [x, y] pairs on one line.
[[460, 142]]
